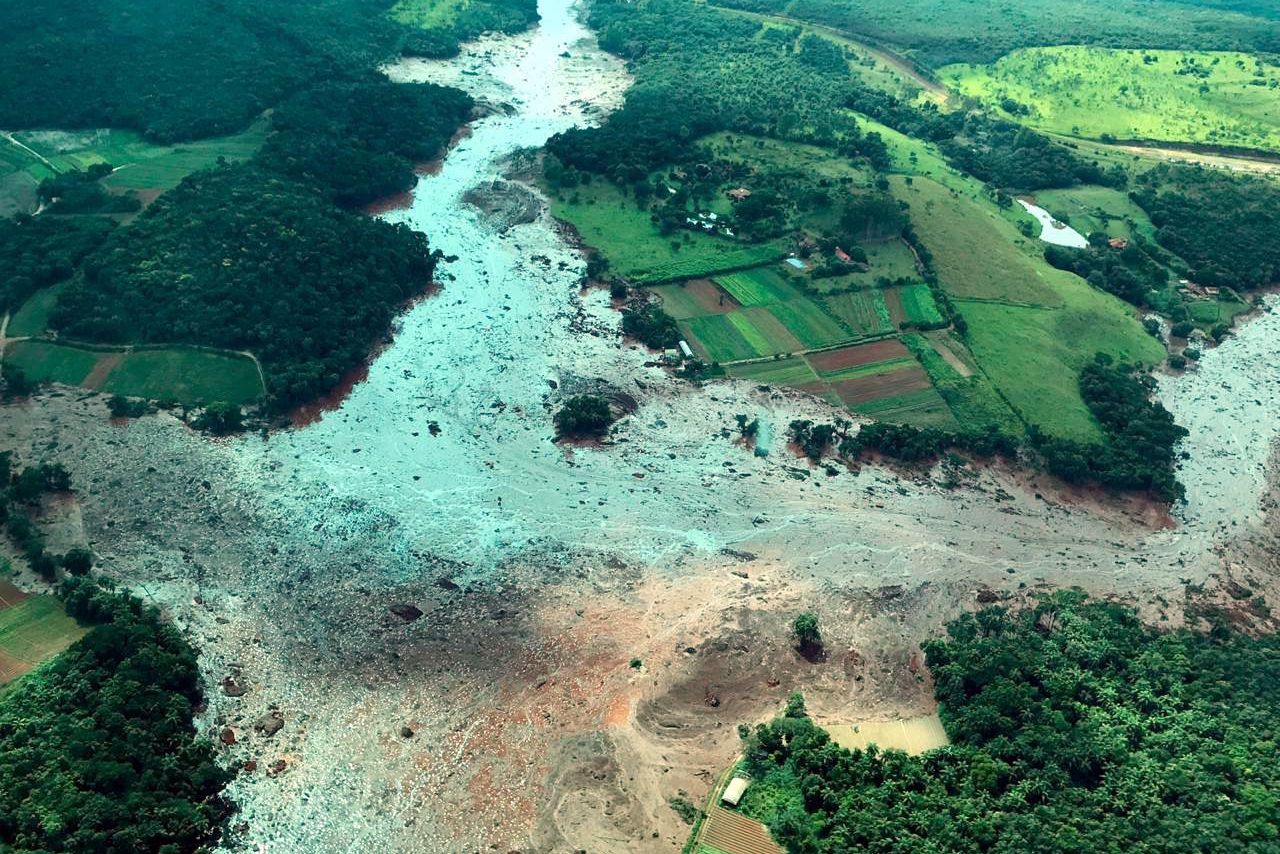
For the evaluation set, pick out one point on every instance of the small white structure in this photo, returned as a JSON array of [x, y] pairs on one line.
[[685, 350], [733, 792]]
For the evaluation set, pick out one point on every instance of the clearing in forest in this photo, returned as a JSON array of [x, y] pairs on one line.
[[185, 375], [911, 735], [1211, 98], [33, 629]]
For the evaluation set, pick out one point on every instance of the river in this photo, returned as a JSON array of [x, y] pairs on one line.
[[436, 483]]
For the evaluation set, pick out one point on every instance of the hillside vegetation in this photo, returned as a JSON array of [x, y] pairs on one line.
[[1073, 728], [1222, 99]]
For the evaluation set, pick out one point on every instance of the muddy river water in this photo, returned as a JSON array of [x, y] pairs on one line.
[[291, 559]]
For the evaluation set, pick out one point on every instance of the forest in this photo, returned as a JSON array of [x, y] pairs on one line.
[[1073, 728], [1226, 227], [237, 257], [98, 754], [936, 34]]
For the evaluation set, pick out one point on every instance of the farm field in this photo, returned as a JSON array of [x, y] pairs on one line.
[[33, 629], [865, 312], [611, 223], [912, 735], [181, 374], [1214, 98], [729, 832]]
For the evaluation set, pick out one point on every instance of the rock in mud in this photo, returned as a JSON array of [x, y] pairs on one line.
[[232, 688], [406, 612], [269, 724], [504, 203]]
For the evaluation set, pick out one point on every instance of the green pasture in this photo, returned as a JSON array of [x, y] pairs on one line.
[[427, 14], [778, 155], [1090, 208], [978, 254], [809, 324], [868, 370], [1214, 98], [32, 317], [140, 165], [610, 222], [678, 302], [182, 374], [1033, 355]]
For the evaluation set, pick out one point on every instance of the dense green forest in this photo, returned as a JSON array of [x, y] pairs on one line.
[[98, 753], [939, 33], [240, 258], [1074, 728], [437, 34], [42, 251], [1226, 227], [177, 70]]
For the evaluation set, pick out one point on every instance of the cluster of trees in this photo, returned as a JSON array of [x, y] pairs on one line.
[[20, 493], [78, 192], [584, 415], [1013, 157], [1073, 728], [1226, 227], [649, 324], [1138, 451], [1129, 273], [97, 748], [42, 251], [238, 257], [359, 138]]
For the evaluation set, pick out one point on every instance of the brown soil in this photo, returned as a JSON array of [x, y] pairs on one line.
[[711, 297], [101, 370], [397, 202], [877, 386], [10, 595], [893, 299], [862, 354], [11, 668]]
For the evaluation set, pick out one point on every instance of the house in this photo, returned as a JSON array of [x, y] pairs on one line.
[[733, 792], [738, 194], [843, 256], [1118, 243]]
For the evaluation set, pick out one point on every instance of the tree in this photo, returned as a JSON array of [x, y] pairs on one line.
[[220, 419], [805, 629], [583, 415], [78, 561]]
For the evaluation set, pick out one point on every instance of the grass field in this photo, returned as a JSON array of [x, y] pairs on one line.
[[32, 317], [913, 736], [1089, 208], [978, 253], [1220, 98], [33, 629], [611, 223], [427, 14], [181, 374], [785, 372]]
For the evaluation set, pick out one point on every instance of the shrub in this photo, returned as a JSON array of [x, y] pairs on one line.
[[584, 415]]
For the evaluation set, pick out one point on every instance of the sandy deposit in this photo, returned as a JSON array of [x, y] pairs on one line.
[[440, 606]]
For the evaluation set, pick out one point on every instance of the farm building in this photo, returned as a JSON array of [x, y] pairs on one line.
[[685, 350], [1118, 243], [842, 255], [738, 194], [733, 792]]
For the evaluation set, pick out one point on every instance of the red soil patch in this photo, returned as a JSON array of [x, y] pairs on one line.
[[11, 668], [10, 595], [711, 298], [877, 386], [893, 299], [619, 711], [862, 354], [398, 202], [101, 369]]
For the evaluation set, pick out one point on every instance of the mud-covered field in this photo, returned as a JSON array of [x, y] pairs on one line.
[[418, 616]]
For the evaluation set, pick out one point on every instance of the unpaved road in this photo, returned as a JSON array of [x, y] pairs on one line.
[[443, 605]]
